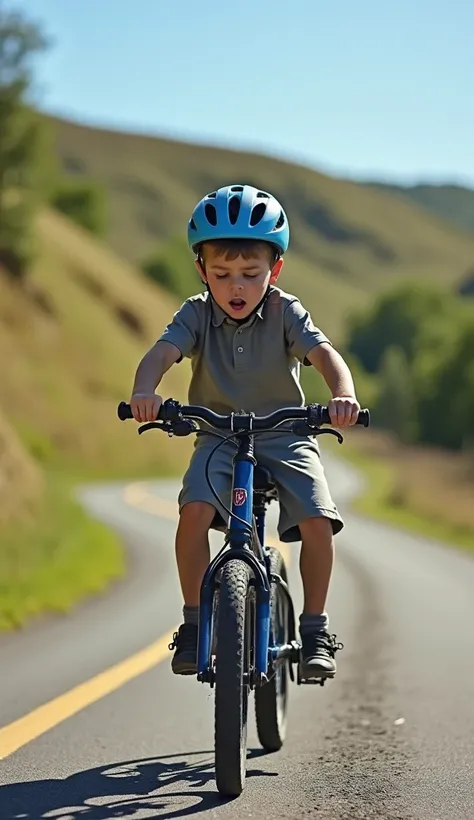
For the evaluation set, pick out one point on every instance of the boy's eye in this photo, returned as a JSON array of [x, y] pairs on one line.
[[246, 275]]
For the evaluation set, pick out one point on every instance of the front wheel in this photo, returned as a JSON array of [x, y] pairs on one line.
[[231, 687], [271, 699]]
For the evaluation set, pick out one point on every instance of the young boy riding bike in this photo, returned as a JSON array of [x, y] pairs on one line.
[[246, 339]]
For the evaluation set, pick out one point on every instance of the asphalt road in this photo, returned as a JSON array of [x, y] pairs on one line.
[[390, 738]]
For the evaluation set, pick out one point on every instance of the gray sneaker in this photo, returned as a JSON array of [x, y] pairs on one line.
[[318, 650], [185, 641]]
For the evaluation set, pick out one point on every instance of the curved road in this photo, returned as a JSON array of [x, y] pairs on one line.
[[391, 738]]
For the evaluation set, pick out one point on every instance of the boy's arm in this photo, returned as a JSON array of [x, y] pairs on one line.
[[178, 340], [145, 404], [311, 346], [344, 407]]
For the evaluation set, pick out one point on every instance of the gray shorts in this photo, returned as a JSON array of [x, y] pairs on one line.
[[295, 465]]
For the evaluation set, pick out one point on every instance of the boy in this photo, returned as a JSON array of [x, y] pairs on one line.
[[246, 339]]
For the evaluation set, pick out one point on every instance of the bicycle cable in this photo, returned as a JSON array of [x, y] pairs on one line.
[[247, 525]]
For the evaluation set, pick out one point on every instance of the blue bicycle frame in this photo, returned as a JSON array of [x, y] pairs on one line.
[[241, 540], [240, 546]]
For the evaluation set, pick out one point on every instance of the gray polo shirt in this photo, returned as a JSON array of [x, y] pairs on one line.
[[250, 366]]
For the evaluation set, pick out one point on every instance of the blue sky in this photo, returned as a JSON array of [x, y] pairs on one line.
[[360, 89]]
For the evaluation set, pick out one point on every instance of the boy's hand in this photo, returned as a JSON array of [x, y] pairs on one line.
[[145, 406], [343, 411]]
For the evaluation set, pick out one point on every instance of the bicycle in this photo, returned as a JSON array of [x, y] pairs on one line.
[[247, 635]]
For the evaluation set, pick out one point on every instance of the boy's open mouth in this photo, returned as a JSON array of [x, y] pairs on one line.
[[237, 304]]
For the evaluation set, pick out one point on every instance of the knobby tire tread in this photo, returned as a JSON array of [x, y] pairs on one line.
[[231, 695]]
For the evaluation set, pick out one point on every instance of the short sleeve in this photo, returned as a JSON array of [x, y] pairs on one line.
[[183, 330], [301, 334]]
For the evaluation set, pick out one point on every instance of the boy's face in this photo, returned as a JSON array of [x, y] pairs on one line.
[[239, 284]]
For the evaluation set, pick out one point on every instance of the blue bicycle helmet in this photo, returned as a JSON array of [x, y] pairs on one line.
[[239, 212]]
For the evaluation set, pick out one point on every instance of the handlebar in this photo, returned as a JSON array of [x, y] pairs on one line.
[[172, 412]]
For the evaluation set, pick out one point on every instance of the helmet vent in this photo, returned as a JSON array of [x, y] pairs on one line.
[[281, 222], [236, 188], [262, 195], [234, 209], [212, 196], [211, 214], [258, 213], [192, 224]]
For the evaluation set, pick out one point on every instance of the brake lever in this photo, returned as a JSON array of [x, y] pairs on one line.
[[336, 433], [303, 428], [184, 427], [159, 425]]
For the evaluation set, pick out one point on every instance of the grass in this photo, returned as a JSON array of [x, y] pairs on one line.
[[70, 342], [348, 241], [72, 349], [53, 560], [423, 492]]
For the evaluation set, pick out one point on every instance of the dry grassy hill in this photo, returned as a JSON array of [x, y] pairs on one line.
[[70, 340], [21, 482], [348, 240], [72, 345]]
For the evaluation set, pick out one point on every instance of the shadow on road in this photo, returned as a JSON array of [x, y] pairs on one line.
[[170, 786]]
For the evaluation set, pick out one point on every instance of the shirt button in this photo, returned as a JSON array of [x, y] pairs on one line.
[[240, 350]]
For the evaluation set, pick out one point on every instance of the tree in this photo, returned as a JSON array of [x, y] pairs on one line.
[[159, 270], [84, 202], [22, 141], [447, 412], [466, 286], [172, 267], [400, 318], [395, 408]]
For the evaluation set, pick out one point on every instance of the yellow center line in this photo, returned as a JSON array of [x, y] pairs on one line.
[[50, 714]]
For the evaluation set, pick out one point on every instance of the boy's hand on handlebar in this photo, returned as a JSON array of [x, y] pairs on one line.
[[343, 411], [145, 406]]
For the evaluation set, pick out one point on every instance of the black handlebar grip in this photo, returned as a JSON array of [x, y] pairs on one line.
[[363, 417], [124, 411]]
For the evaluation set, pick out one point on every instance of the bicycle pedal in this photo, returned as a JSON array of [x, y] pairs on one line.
[[310, 681], [313, 681]]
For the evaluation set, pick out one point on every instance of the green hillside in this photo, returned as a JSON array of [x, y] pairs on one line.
[[454, 203], [72, 345], [348, 240], [71, 339]]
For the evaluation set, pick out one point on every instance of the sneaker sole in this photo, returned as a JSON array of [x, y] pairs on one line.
[[312, 673], [184, 669]]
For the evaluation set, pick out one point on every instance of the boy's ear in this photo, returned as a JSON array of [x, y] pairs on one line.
[[200, 269], [276, 270]]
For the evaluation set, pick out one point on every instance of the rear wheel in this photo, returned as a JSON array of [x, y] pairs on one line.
[[271, 699], [231, 688]]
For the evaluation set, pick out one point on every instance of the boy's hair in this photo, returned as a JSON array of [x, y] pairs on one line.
[[232, 248]]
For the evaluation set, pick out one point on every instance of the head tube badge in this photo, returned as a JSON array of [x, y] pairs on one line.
[[240, 496]]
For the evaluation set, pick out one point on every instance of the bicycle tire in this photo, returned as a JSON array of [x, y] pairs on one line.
[[271, 699], [231, 692]]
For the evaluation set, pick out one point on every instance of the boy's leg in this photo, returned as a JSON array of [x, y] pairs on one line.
[[198, 512], [192, 548], [316, 562], [192, 558], [307, 514]]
